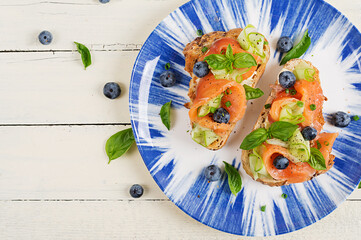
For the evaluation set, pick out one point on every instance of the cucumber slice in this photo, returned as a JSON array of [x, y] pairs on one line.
[[242, 38], [292, 113], [299, 147], [278, 142], [304, 71], [214, 103], [257, 41], [203, 136], [209, 137], [252, 41], [256, 164], [236, 75]]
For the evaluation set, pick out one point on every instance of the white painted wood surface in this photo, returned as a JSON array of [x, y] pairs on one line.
[[55, 182]]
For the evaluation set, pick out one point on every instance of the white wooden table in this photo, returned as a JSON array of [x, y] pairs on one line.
[[55, 182]]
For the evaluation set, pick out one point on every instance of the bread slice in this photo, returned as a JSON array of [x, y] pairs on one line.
[[193, 52], [262, 122]]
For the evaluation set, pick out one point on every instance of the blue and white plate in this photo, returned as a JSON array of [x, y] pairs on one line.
[[176, 162]]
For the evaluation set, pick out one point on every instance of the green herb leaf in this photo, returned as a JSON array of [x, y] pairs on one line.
[[165, 114], [263, 208], [199, 32], [217, 61], [267, 106], [254, 139], [228, 104], [284, 195], [282, 130], [318, 144], [119, 143], [234, 178], [356, 118], [204, 49], [244, 60], [167, 66], [313, 107], [359, 185], [85, 54], [252, 93], [317, 160], [229, 53], [298, 50]]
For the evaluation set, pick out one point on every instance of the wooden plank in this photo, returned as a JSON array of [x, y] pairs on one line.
[[144, 220], [54, 87]]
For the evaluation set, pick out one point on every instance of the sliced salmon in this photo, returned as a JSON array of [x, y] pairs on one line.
[[326, 141]]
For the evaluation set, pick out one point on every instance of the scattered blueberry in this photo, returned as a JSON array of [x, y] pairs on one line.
[[104, 1], [287, 79], [221, 116], [212, 173], [111, 90], [45, 37], [280, 162], [284, 44], [201, 69], [167, 79], [341, 119], [136, 191], [309, 133]]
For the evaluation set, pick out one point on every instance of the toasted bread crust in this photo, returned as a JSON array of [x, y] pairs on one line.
[[193, 52], [290, 65]]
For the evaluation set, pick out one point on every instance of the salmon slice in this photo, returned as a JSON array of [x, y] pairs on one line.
[[294, 173], [326, 140], [220, 47], [277, 106]]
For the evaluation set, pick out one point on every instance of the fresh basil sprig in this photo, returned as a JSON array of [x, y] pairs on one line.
[[229, 60], [317, 161], [299, 49], [119, 143], [85, 54], [252, 93], [165, 114], [234, 178], [281, 130]]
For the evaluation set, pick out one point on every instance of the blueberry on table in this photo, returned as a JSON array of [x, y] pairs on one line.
[[136, 191], [111, 90], [284, 44], [280, 162], [167, 79], [309, 133], [341, 119], [45, 37], [201, 69], [212, 173], [104, 1], [287, 79], [221, 116]]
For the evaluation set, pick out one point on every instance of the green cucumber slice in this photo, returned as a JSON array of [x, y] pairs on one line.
[[292, 113], [209, 137], [299, 147], [304, 71], [203, 136], [211, 105]]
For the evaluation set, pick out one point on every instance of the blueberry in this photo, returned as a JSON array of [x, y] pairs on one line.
[[45, 37], [221, 116], [136, 191], [309, 133], [284, 44], [287, 79], [167, 79], [104, 1], [280, 162], [341, 119], [200, 69], [212, 173], [111, 90]]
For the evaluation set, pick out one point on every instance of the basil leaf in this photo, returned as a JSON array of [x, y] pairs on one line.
[[317, 161], [165, 114], [85, 54], [244, 60], [299, 49], [359, 185], [252, 93], [254, 139], [282, 130], [234, 178], [229, 53], [119, 143], [217, 61]]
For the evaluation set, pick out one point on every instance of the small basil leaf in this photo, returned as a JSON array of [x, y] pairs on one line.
[[254, 139], [317, 161], [282, 130], [165, 114], [252, 93], [244, 60], [85, 54], [299, 49], [119, 143], [234, 178], [229, 53], [216, 61], [359, 185]]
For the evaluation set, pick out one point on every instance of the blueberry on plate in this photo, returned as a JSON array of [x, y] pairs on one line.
[[212, 173], [284, 44], [201, 69], [309, 133], [167, 79], [221, 116], [104, 1], [341, 119], [45, 37], [280, 162], [136, 191], [111, 90], [287, 79]]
